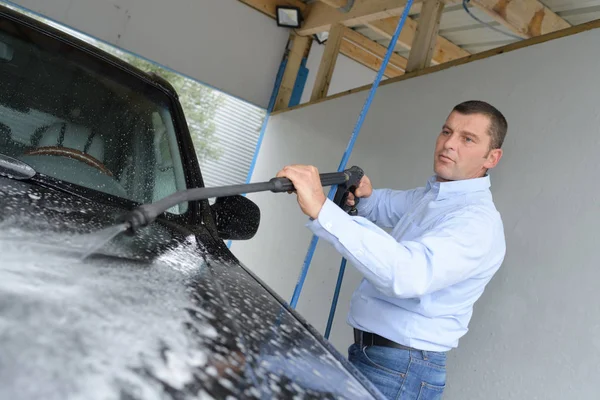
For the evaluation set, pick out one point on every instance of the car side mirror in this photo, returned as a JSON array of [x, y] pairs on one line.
[[236, 217]]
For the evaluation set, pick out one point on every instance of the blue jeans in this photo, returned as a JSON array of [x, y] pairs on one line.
[[401, 374]]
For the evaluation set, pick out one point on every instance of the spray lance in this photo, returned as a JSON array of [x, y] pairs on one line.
[[144, 215]]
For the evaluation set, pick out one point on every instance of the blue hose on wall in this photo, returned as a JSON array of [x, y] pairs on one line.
[[342, 166]]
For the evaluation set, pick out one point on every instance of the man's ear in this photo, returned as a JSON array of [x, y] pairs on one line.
[[493, 158]]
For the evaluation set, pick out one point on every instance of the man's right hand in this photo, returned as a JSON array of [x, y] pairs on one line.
[[364, 189]]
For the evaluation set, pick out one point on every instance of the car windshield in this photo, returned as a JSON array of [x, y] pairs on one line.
[[78, 119]]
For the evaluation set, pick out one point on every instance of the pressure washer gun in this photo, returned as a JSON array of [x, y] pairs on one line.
[[144, 215], [354, 174]]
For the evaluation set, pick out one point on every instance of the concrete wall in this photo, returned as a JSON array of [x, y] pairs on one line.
[[222, 43], [535, 332]]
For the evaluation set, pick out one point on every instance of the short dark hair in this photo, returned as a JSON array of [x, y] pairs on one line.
[[498, 124]]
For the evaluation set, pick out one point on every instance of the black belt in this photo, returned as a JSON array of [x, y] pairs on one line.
[[363, 338]]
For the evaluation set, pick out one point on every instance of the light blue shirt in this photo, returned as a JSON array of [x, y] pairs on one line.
[[421, 279]]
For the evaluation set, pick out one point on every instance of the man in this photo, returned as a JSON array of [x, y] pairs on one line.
[[421, 280]]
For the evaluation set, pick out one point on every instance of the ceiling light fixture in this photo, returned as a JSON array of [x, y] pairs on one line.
[[289, 17]]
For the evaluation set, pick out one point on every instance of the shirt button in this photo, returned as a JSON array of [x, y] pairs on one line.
[[328, 225]]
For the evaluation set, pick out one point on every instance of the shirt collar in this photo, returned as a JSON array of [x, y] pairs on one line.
[[445, 190]]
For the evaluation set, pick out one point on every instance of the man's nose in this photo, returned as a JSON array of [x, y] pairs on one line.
[[451, 142]]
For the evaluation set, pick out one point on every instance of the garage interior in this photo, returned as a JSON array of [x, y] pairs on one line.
[[536, 61]]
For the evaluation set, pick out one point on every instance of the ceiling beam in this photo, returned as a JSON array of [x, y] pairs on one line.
[[526, 18], [369, 60], [336, 3], [421, 52], [320, 16], [571, 31], [268, 7], [328, 60], [443, 51], [378, 50]]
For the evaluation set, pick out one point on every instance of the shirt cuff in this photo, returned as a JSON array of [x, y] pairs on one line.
[[332, 219], [365, 204]]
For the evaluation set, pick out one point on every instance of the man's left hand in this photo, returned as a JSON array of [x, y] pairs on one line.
[[309, 190]]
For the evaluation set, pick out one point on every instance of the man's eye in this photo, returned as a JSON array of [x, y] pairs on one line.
[[468, 139]]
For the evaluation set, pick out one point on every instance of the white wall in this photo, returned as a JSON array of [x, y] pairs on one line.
[[222, 43], [535, 332]]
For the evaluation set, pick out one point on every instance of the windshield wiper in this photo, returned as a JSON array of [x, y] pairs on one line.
[[15, 169]]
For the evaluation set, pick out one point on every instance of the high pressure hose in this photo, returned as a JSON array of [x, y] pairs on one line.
[[146, 214]]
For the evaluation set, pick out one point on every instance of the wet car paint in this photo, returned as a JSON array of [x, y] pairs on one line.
[[167, 313]]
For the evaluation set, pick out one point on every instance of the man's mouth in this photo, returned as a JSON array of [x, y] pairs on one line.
[[445, 158]]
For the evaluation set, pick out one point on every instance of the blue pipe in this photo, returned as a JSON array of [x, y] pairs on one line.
[[344, 161], [336, 294]]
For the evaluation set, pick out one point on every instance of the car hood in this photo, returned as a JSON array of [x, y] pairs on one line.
[[158, 315]]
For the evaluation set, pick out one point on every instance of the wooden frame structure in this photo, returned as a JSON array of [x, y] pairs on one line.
[[427, 50]]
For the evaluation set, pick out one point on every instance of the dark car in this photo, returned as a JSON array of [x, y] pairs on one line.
[[88, 311]]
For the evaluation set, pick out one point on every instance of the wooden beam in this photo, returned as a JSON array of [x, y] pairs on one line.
[[592, 25], [268, 7], [421, 52], [335, 3], [367, 59], [299, 49], [328, 60], [387, 26], [321, 16], [378, 50], [358, 51], [443, 51], [526, 18]]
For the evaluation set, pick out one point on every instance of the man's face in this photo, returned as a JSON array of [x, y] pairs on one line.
[[462, 150]]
